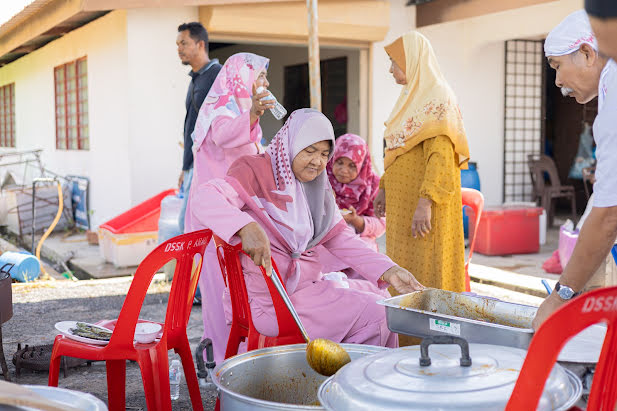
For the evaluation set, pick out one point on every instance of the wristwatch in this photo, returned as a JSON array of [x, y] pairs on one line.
[[565, 293]]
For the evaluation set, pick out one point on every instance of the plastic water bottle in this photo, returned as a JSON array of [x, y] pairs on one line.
[[278, 111], [175, 375]]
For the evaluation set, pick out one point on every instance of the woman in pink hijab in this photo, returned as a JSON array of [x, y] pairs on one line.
[[355, 186], [226, 129], [280, 203]]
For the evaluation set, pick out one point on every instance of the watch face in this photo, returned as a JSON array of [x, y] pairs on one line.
[[565, 292]]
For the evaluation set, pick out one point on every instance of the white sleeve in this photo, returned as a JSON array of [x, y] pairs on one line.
[[605, 134]]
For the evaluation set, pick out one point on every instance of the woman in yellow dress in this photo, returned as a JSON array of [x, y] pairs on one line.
[[420, 191]]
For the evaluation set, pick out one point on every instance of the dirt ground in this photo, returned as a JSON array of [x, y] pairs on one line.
[[38, 306]]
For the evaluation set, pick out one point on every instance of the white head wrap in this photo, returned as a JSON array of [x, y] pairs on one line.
[[569, 35]]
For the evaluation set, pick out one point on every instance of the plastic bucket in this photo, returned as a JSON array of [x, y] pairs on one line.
[[22, 267], [469, 179]]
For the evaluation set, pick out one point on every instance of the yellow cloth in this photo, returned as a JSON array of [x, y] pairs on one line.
[[426, 106], [428, 170]]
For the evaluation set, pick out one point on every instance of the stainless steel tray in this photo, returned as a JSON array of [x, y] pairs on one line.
[[477, 319]]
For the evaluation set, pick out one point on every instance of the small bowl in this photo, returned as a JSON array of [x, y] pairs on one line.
[[146, 332]]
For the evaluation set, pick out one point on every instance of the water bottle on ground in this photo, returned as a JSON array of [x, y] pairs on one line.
[[175, 375], [278, 111]]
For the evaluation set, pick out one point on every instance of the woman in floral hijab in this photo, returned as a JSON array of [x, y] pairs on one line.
[[226, 129], [355, 186], [420, 191]]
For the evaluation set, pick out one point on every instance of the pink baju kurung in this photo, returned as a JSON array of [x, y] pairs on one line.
[[262, 189], [223, 134]]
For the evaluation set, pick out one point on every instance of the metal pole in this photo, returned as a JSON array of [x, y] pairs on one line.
[[313, 48]]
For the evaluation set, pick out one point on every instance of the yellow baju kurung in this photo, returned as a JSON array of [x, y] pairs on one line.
[[429, 170]]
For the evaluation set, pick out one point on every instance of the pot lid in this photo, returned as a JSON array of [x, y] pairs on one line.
[[586, 346], [395, 379]]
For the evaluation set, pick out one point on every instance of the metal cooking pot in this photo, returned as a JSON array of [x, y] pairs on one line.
[[274, 378], [6, 297], [469, 377], [581, 354]]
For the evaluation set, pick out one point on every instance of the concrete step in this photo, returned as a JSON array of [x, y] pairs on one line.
[[522, 283]]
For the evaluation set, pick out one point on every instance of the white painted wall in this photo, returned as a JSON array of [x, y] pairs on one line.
[[158, 83], [471, 56], [289, 55], [107, 162], [384, 91]]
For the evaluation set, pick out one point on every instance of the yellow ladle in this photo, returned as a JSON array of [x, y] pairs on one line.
[[324, 356]]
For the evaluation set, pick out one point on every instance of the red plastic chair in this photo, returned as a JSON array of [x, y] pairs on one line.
[[242, 324], [474, 199], [588, 309], [152, 358]]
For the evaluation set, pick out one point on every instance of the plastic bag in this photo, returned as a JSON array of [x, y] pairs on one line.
[[584, 156]]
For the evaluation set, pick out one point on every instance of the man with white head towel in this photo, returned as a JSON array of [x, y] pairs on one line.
[[583, 73]]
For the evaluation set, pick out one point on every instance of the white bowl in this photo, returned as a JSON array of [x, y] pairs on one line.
[[146, 332]]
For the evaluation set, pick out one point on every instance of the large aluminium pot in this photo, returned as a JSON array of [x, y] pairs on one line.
[[274, 378], [469, 377], [581, 354]]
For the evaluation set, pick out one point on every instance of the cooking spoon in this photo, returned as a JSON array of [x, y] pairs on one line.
[[324, 356]]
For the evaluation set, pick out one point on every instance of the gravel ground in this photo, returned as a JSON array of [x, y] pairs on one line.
[[38, 306]]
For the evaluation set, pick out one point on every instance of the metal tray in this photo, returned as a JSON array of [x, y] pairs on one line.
[[477, 319]]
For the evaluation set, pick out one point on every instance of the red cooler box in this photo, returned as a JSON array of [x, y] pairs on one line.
[[505, 230]]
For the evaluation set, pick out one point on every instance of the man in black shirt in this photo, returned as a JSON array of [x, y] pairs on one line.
[[603, 19], [192, 44]]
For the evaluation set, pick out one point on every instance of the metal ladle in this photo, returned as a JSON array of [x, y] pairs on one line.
[[324, 356]]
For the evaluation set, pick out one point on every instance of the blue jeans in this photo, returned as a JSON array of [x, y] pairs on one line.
[[184, 191]]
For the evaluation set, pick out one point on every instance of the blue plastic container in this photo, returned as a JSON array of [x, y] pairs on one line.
[[23, 267], [469, 179]]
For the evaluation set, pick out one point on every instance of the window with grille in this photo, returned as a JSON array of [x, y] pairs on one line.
[[7, 115], [523, 115], [71, 82]]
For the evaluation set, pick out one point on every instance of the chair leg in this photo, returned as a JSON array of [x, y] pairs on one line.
[[54, 364], [154, 368], [467, 281], [190, 375], [116, 384]]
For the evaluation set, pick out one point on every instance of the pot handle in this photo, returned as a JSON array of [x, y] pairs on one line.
[[425, 360]]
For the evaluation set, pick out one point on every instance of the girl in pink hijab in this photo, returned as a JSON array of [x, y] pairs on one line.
[[280, 204], [226, 129], [355, 186]]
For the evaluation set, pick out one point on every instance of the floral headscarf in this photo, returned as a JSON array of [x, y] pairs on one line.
[[230, 94], [426, 107], [361, 192]]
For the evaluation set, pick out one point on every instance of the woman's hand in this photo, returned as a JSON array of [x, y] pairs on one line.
[[258, 107], [402, 280], [379, 205], [256, 244], [421, 223], [357, 221]]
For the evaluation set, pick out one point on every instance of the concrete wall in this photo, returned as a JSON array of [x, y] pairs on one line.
[[107, 162], [471, 56], [383, 90], [288, 55], [158, 83]]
